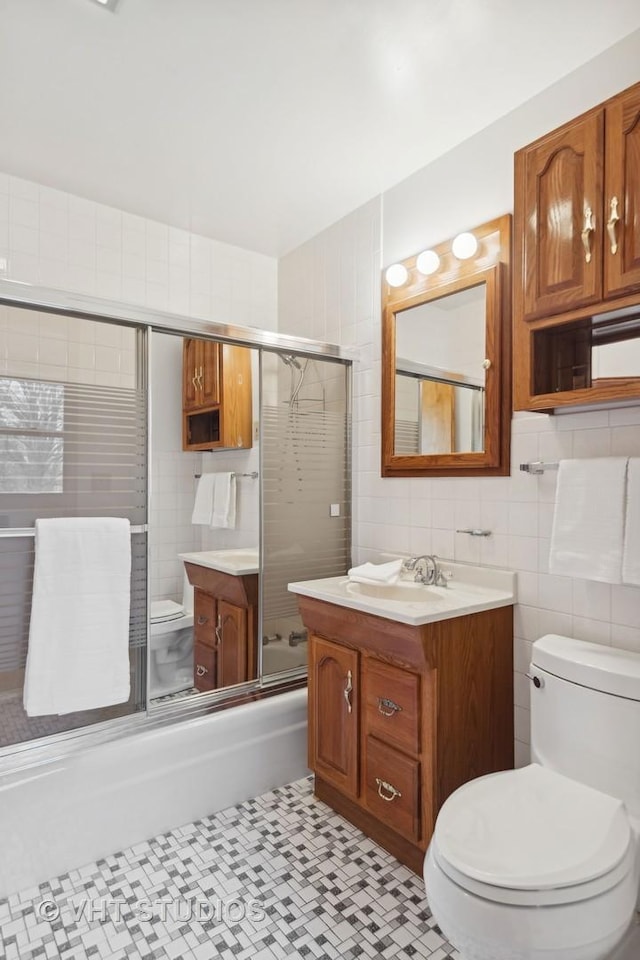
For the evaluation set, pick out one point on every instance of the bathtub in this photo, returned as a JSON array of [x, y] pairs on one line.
[[62, 815]]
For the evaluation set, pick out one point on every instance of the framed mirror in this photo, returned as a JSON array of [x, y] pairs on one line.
[[446, 401]]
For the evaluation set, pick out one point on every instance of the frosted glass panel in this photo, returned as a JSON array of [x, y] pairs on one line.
[[306, 470]]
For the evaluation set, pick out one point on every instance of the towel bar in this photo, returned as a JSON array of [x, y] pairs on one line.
[[31, 531], [538, 466], [254, 475]]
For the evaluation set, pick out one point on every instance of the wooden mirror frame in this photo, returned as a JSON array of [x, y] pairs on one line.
[[490, 265]]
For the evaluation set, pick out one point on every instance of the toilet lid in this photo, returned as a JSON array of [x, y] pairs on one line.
[[531, 829], [163, 610]]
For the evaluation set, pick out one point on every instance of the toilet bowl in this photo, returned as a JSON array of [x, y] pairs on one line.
[[171, 645], [537, 864]]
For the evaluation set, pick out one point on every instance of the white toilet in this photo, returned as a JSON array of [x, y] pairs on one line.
[[171, 645], [542, 863]]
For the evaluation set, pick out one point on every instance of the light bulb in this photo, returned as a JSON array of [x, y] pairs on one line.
[[396, 275], [427, 262], [464, 246]]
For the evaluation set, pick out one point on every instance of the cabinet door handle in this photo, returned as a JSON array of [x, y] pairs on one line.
[[200, 670], [347, 691], [386, 791], [194, 380], [200, 374], [587, 230], [202, 620], [612, 224], [218, 631], [388, 708]]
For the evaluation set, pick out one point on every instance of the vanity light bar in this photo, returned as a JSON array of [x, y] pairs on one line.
[[463, 247]]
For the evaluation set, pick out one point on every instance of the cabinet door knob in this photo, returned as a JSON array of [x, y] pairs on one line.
[[587, 230], [347, 691], [612, 224], [386, 791], [388, 708], [200, 670]]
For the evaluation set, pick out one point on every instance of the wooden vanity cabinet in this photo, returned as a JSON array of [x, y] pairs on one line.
[[225, 625], [400, 716], [216, 396], [576, 255]]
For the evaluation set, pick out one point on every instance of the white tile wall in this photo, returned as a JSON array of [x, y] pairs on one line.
[[55, 239], [329, 288]]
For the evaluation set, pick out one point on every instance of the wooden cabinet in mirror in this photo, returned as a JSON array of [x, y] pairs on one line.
[[446, 358]]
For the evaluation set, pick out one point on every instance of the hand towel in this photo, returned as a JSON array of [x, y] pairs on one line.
[[588, 520], [631, 549], [78, 654], [376, 572], [203, 505], [224, 501]]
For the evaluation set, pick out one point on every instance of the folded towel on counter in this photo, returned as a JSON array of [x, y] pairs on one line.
[[224, 501], [631, 549], [78, 654], [376, 572], [588, 520], [203, 505]]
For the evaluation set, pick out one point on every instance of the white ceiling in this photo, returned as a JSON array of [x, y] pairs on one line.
[[260, 122]]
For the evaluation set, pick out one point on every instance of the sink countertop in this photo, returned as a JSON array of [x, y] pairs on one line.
[[471, 590], [239, 562]]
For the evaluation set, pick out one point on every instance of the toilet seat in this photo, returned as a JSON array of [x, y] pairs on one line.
[[533, 836]]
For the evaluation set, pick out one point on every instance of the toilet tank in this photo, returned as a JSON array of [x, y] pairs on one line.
[[585, 714]]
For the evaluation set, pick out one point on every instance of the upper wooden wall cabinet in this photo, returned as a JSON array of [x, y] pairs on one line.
[[216, 396], [577, 260]]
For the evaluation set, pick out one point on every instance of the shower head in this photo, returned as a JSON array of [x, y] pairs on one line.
[[290, 360]]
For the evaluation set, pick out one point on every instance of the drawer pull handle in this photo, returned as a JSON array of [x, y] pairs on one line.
[[202, 620], [586, 233], [200, 670], [347, 691], [612, 223], [388, 708], [386, 791]]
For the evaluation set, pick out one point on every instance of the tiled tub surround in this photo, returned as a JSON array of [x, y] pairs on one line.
[[322, 890]]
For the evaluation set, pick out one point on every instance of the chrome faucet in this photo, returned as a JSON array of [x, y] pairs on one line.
[[426, 570]]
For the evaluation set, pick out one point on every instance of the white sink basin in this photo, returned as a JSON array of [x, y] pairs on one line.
[[470, 590], [406, 592], [239, 562]]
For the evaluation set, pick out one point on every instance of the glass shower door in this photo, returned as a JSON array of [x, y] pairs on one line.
[[306, 493]]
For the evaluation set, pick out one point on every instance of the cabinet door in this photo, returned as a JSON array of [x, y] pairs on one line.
[[191, 361], [209, 373], [204, 608], [622, 195], [333, 714], [231, 642], [559, 218]]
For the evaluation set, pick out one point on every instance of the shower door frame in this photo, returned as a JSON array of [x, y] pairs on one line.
[[60, 302]]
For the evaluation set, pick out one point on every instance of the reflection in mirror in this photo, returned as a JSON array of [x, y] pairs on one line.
[[446, 358], [204, 517], [440, 392]]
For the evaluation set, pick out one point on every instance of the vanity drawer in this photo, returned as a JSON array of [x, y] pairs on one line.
[[204, 667], [392, 705], [204, 612], [392, 788]]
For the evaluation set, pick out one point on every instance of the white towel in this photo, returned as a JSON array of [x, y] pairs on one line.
[[376, 572], [78, 655], [588, 520], [224, 501], [631, 550], [203, 504]]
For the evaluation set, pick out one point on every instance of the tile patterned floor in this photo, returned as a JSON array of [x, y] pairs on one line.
[[17, 727], [280, 876]]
